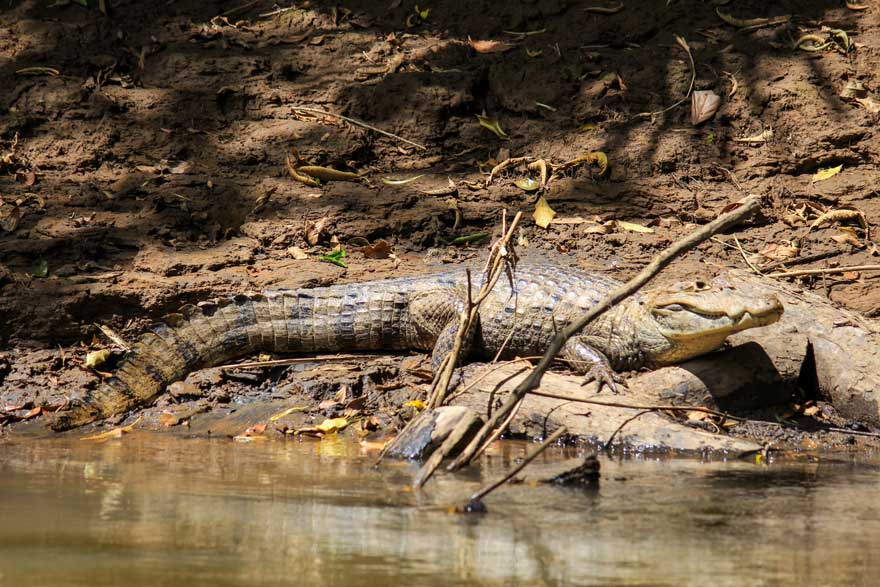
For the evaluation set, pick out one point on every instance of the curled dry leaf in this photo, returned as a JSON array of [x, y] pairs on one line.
[[704, 105], [633, 227], [10, 216], [761, 137], [543, 213], [297, 253], [327, 173], [315, 230], [492, 124], [490, 46]]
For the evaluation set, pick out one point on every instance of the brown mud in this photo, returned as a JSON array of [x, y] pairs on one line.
[[146, 169]]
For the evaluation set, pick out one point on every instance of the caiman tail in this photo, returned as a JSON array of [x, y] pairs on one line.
[[322, 319]]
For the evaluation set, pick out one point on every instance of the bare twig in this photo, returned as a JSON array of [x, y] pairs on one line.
[[360, 124], [656, 408], [745, 257], [749, 205], [112, 335], [826, 271], [495, 264], [483, 492], [293, 361], [607, 444], [687, 49]]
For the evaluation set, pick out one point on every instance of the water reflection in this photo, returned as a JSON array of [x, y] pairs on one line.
[[153, 510]]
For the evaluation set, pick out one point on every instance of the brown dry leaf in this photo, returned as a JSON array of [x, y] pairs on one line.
[[777, 252], [10, 216], [633, 227], [596, 228], [28, 178], [850, 275], [847, 237], [254, 431], [315, 230], [327, 173], [569, 220], [33, 413], [167, 419], [490, 46], [543, 213], [378, 250], [869, 104], [704, 105], [841, 215], [297, 253]]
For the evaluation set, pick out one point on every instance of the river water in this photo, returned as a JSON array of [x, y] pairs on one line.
[[153, 510]]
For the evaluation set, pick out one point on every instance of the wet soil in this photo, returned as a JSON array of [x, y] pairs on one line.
[[146, 168]]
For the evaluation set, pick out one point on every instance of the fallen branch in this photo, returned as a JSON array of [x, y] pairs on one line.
[[293, 361], [360, 124], [825, 271], [475, 505], [748, 206]]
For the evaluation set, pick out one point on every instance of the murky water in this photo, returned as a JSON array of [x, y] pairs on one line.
[[153, 510]]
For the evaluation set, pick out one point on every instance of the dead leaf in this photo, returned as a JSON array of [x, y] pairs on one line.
[[490, 46], [777, 252], [527, 184], [704, 105], [492, 124], [114, 433], [10, 216], [315, 230], [416, 403], [633, 227], [827, 173], [97, 358], [378, 250], [847, 237], [297, 253], [543, 213]]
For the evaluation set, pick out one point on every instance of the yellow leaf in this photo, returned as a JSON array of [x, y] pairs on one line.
[[527, 183], [543, 213], [416, 403], [115, 433], [287, 412], [492, 124], [824, 174], [332, 425], [97, 358], [633, 227]]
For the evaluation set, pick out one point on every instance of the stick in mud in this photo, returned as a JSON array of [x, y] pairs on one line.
[[748, 206]]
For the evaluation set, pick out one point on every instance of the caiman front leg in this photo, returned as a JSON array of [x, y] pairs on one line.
[[592, 363]]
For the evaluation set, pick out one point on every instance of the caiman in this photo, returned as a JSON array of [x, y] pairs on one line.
[[519, 317]]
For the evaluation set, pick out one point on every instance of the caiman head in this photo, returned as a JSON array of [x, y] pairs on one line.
[[693, 318]]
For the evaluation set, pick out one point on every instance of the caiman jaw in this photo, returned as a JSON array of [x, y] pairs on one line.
[[696, 317]]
